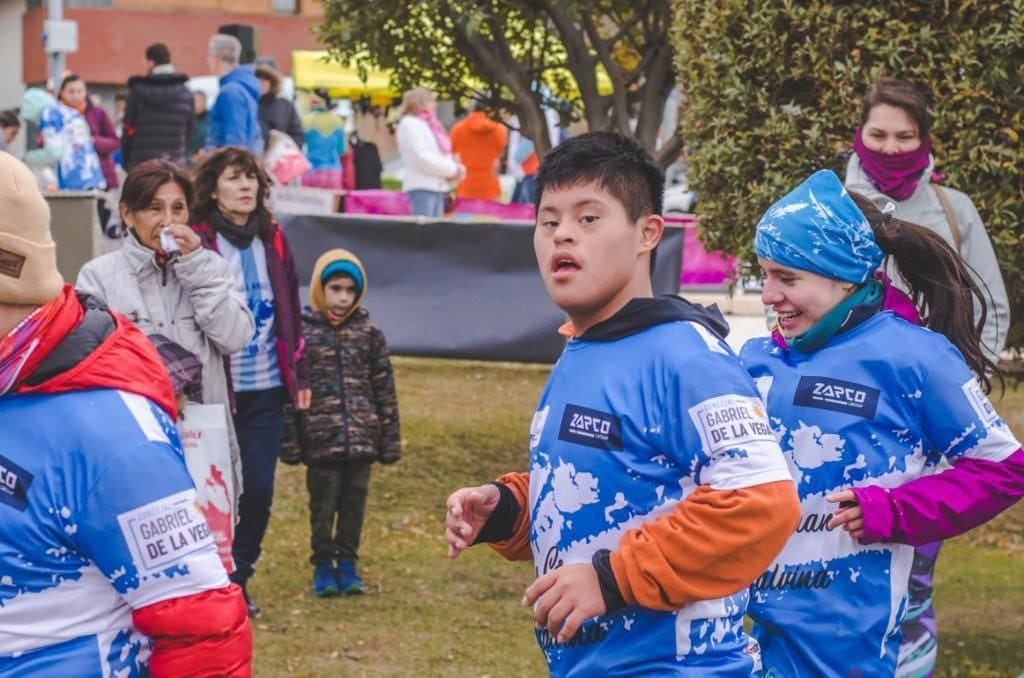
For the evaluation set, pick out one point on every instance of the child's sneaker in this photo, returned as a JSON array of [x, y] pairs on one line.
[[324, 582], [348, 581]]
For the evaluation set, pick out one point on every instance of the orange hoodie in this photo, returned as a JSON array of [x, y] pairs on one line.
[[479, 142]]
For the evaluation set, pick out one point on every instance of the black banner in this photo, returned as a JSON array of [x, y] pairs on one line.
[[453, 289]]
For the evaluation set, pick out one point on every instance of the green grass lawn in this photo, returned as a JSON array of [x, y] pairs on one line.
[[465, 423]]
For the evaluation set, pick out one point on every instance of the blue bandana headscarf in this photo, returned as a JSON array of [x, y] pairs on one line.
[[817, 227]]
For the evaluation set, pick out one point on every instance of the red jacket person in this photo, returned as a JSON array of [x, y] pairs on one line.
[[106, 565]]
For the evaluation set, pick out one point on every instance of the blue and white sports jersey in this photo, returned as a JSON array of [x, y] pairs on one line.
[[79, 165], [880, 404], [626, 430], [98, 516], [255, 367]]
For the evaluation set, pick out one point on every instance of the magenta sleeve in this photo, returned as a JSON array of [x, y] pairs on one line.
[[943, 505]]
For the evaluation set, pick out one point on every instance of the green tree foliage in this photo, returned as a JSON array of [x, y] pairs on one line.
[[518, 56], [774, 87]]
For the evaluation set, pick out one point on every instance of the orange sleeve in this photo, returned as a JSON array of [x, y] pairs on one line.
[[517, 547], [715, 543]]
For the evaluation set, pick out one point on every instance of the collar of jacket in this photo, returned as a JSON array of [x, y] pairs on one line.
[[102, 351], [640, 314], [140, 258]]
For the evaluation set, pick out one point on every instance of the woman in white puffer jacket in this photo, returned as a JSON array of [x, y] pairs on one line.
[[429, 168]]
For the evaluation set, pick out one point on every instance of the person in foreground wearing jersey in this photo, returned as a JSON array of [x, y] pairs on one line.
[[106, 565], [656, 492], [866, 405]]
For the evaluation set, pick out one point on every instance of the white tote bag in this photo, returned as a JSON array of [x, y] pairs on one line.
[[204, 437]]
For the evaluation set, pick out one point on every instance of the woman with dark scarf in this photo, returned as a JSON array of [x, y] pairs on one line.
[[231, 217], [893, 162]]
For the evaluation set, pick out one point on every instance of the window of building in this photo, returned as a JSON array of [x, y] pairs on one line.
[[286, 6], [75, 3]]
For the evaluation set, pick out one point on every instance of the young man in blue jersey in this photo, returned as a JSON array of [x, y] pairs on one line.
[[656, 489], [107, 567]]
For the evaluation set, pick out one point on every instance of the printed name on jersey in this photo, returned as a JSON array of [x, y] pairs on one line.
[[14, 482], [593, 428], [164, 531], [731, 421], [980, 402], [837, 395]]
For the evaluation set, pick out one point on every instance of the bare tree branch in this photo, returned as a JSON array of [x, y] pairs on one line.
[[580, 62], [669, 151], [620, 115]]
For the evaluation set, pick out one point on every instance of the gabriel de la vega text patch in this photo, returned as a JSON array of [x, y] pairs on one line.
[[164, 531]]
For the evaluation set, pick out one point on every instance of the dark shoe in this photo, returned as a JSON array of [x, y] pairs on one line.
[[325, 584], [252, 607], [348, 581]]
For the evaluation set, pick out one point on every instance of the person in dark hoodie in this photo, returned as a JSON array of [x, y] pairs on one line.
[[657, 491], [352, 420], [158, 114], [108, 566], [234, 118], [276, 112]]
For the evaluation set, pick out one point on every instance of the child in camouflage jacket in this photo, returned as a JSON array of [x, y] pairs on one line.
[[352, 421]]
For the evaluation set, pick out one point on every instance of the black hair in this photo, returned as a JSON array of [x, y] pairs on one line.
[[616, 163], [941, 285], [158, 54]]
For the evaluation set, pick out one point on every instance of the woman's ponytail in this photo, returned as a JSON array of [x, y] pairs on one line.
[[940, 282]]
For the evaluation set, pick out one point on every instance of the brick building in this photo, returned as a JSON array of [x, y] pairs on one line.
[[113, 34]]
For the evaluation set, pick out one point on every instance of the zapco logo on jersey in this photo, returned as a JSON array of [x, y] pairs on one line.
[[14, 484], [837, 395], [593, 428]]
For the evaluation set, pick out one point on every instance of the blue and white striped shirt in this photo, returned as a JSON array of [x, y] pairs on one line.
[[255, 367]]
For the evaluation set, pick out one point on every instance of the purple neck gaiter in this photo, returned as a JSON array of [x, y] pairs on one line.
[[894, 175]]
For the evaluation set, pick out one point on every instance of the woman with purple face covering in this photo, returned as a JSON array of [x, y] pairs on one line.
[[893, 163]]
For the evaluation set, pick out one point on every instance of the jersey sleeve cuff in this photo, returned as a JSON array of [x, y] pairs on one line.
[[877, 511], [613, 599], [502, 522]]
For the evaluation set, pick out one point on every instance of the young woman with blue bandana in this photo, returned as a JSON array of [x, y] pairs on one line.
[[867, 406]]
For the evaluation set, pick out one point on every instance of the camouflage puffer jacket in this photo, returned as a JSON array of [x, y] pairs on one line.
[[354, 410]]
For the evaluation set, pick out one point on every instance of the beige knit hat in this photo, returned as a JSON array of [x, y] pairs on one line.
[[28, 255]]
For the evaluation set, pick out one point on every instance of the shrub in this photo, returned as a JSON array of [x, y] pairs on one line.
[[773, 91]]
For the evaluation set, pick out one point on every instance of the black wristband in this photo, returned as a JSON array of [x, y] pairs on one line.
[[502, 522], [602, 562]]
